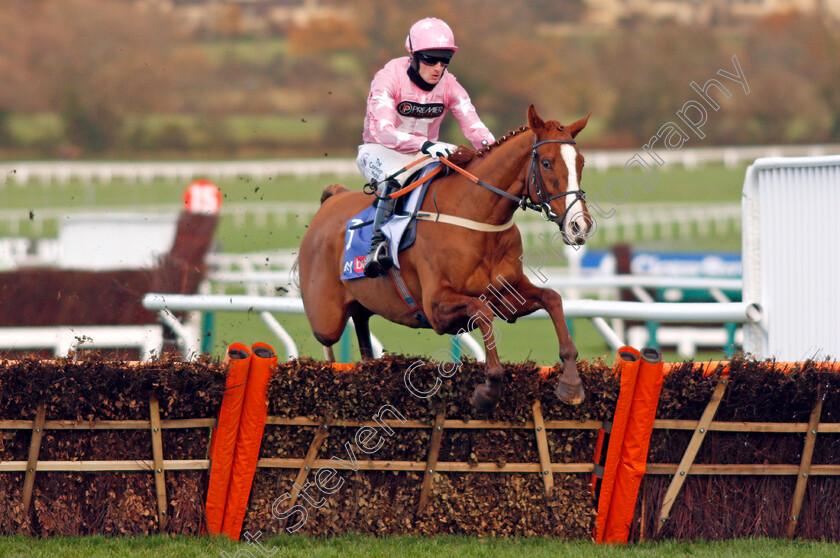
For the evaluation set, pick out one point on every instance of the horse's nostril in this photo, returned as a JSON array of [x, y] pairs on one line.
[[575, 228]]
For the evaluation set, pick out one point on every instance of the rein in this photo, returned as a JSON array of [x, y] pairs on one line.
[[534, 178]]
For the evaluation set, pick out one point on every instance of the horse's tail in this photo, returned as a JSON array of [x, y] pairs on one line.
[[332, 190]]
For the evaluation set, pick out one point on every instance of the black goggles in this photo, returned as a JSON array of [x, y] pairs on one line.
[[430, 60]]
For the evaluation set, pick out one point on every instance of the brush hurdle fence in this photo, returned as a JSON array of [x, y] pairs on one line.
[[535, 426]]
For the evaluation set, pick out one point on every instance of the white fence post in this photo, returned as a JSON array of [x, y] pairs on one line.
[[791, 256]]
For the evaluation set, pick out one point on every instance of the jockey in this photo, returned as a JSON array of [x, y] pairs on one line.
[[407, 101]]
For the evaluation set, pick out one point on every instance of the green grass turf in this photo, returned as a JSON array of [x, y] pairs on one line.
[[354, 546]]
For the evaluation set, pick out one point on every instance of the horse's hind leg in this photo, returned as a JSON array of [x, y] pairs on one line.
[[361, 319], [327, 315]]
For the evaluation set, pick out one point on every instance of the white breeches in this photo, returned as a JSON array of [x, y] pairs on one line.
[[377, 162]]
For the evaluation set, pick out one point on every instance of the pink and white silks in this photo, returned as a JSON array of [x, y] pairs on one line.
[[401, 117]]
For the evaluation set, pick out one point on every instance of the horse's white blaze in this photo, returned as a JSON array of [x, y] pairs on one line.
[[569, 154], [570, 158]]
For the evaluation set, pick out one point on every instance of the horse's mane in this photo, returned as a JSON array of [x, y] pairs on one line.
[[464, 155]]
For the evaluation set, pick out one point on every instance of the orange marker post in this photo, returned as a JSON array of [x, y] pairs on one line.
[[249, 440], [627, 365], [223, 441], [634, 449]]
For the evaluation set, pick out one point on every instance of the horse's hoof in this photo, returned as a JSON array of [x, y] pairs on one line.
[[483, 399], [572, 394]]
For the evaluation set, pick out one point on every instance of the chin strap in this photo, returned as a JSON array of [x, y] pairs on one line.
[[417, 79]]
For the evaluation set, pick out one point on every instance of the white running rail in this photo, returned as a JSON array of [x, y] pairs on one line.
[[595, 310], [63, 339]]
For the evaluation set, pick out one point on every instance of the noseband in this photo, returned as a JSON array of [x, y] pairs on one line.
[[535, 179]]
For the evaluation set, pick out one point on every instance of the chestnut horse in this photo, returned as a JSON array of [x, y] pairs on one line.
[[456, 273]]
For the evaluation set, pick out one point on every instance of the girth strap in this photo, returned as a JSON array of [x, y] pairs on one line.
[[405, 294], [461, 222]]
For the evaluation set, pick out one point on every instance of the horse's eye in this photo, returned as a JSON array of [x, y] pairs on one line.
[[546, 163]]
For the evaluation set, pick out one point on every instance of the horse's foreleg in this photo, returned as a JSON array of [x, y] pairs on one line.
[[569, 387], [451, 308], [329, 355]]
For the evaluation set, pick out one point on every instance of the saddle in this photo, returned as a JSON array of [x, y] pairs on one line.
[[400, 228]]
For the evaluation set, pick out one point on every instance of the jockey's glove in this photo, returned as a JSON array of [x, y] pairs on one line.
[[438, 148]]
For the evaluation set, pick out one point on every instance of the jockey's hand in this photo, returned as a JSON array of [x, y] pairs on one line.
[[438, 149]]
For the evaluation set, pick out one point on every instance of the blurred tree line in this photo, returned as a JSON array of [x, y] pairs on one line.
[[122, 79]]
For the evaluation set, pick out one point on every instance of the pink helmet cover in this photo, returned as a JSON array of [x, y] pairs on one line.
[[430, 33]]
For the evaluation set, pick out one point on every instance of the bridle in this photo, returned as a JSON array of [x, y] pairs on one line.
[[533, 178]]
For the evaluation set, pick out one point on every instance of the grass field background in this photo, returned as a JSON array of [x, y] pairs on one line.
[[527, 340]]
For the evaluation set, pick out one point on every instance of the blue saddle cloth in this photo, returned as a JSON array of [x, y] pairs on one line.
[[357, 241]]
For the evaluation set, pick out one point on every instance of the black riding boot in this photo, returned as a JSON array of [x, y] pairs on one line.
[[379, 260]]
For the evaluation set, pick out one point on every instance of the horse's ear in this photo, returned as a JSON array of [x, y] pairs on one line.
[[534, 121], [575, 127]]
